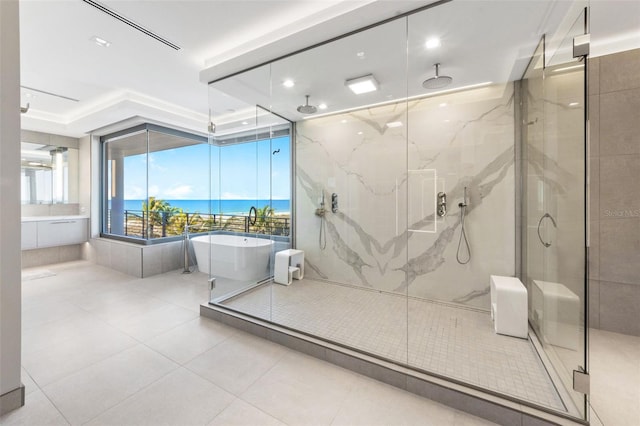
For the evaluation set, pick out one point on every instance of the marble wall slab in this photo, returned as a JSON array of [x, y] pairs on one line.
[[385, 234]]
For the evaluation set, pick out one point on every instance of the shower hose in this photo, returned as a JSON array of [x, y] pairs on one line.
[[463, 235], [322, 238]]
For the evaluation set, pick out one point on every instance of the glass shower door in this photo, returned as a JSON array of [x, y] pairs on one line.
[[554, 210]]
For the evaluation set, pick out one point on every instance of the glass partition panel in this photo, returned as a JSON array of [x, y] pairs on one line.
[[404, 170], [125, 184], [561, 290], [348, 99], [240, 254]]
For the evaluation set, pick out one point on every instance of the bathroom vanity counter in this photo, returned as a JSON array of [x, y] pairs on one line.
[[52, 231], [51, 218]]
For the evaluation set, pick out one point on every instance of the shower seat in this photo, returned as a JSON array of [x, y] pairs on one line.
[[509, 306], [289, 265]]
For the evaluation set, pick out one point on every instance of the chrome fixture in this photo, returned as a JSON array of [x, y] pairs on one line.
[[334, 203], [185, 246], [437, 82], [555, 225], [306, 108], [463, 233], [442, 204], [321, 213]]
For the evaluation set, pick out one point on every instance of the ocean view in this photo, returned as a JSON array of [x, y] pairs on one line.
[[218, 206]]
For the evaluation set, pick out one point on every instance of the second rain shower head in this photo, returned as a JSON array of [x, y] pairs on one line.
[[306, 108], [437, 82]]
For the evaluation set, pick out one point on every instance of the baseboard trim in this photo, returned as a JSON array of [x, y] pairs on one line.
[[12, 400]]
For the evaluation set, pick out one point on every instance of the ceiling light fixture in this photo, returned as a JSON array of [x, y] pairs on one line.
[[393, 124], [288, 83], [100, 41], [432, 43], [572, 104], [364, 84], [322, 106]]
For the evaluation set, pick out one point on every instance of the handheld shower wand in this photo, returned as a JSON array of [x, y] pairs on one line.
[[321, 212], [463, 233]]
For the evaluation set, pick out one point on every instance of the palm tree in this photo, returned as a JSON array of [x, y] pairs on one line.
[[264, 219], [159, 212]]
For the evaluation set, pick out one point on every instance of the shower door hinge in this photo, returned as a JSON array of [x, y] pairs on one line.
[[581, 381], [581, 45]]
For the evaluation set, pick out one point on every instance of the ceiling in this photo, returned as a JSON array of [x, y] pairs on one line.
[[80, 86]]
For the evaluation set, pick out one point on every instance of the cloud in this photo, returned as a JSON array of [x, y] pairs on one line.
[[154, 191], [133, 192], [178, 192]]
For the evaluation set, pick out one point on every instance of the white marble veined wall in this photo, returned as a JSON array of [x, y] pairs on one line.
[[385, 235]]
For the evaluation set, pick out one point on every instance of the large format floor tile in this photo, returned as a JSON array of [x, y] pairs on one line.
[[188, 340], [238, 362], [180, 398], [118, 350], [38, 410], [90, 391]]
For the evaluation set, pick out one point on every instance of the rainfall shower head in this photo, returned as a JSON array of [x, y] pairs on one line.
[[306, 108], [437, 82]]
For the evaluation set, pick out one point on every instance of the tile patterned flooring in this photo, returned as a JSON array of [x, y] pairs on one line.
[[451, 341], [104, 348]]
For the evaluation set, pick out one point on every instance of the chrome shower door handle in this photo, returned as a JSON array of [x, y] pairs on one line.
[[546, 215]]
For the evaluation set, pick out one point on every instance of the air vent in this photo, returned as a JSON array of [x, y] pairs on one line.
[[132, 24]]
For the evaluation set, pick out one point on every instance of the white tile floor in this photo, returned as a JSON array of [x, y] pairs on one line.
[[452, 341], [103, 348]]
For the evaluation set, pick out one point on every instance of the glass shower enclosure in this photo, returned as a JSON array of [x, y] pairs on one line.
[[427, 153]]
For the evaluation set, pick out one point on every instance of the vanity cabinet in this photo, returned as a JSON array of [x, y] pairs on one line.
[[54, 231], [29, 235]]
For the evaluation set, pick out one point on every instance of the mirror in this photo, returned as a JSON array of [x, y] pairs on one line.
[[49, 174]]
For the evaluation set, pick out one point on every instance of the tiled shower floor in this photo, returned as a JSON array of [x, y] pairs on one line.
[[442, 339]]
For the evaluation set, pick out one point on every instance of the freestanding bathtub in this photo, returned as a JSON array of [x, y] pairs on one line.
[[233, 256]]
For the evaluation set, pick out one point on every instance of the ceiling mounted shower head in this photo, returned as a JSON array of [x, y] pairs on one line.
[[306, 108], [437, 82]]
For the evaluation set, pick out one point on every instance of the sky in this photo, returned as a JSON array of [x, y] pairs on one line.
[[238, 172]]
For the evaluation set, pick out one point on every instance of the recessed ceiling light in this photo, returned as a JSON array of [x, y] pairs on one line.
[[360, 55], [442, 105], [432, 43], [343, 121], [244, 123], [359, 133], [288, 83], [100, 41], [394, 124], [446, 121], [572, 104], [322, 106], [364, 84]]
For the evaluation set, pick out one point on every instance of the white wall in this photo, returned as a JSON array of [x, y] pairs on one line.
[[10, 285]]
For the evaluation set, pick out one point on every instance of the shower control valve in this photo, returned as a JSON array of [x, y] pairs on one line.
[[442, 204]]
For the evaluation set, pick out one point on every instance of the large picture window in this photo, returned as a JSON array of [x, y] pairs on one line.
[[158, 180]]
